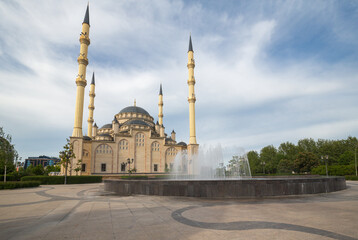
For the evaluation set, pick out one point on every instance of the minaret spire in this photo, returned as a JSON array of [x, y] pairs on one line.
[[93, 81], [81, 77], [86, 19], [191, 97], [160, 106], [160, 90], [190, 45], [91, 107]]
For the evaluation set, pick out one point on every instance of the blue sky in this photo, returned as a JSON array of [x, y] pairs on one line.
[[267, 71]]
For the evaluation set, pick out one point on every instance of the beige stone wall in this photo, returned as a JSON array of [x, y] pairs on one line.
[[103, 154], [123, 154], [155, 157], [86, 158], [140, 146], [170, 154]]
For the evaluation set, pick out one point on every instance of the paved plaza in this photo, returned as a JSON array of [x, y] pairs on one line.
[[87, 212]]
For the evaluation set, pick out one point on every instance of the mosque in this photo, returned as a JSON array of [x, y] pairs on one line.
[[132, 142]]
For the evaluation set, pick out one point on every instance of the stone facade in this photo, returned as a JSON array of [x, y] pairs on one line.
[[131, 135]]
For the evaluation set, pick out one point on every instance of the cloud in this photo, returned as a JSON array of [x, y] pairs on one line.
[[266, 72]]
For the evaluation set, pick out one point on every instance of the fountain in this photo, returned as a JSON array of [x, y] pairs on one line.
[[209, 164], [215, 172]]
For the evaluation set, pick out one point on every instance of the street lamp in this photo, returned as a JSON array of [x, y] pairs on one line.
[[326, 159], [129, 161], [263, 166]]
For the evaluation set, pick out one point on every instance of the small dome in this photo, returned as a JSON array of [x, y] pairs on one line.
[[109, 125], [137, 122], [182, 143], [86, 138], [134, 109]]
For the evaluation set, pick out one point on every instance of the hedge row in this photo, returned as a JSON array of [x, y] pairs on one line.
[[134, 177], [334, 170], [61, 179], [12, 185], [8, 178], [163, 176], [143, 177], [352, 177]]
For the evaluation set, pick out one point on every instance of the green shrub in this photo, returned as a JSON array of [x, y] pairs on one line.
[[12, 185], [9, 178], [334, 170], [84, 179], [135, 177], [352, 177], [162, 176], [61, 179]]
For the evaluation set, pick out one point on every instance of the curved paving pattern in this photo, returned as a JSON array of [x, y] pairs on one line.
[[88, 212], [250, 225]]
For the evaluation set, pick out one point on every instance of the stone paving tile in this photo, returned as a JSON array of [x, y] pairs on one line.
[[86, 212]]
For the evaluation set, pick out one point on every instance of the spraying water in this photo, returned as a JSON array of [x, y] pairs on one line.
[[212, 163]]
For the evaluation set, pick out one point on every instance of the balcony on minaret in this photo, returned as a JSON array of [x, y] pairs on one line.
[[84, 38], [192, 98], [82, 60], [191, 80]]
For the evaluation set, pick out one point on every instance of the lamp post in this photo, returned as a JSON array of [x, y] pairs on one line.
[[263, 166], [129, 161], [326, 159]]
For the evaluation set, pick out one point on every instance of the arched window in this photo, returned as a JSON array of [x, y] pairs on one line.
[[171, 152], [104, 149], [85, 153], [139, 140], [123, 145], [155, 147]]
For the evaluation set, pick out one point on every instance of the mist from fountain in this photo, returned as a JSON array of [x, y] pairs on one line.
[[211, 163]]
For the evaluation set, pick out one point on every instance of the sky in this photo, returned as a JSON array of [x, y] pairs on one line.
[[266, 72]]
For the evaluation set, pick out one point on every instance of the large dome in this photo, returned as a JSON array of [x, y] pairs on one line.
[[134, 109]]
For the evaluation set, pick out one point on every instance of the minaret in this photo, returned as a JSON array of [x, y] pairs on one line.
[[191, 97], [81, 77], [160, 105], [91, 106]]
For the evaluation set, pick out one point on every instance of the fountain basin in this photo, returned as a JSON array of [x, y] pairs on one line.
[[241, 188]]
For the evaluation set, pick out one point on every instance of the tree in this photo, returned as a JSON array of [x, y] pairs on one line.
[[288, 150], [30, 170], [66, 156], [305, 162], [38, 170], [7, 153], [269, 160], [307, 145], [285, 166], [254, 160], [79, 166], [346, 158], [54, 168]]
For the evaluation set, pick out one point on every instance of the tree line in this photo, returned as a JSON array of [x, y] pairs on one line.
[[307, 156]]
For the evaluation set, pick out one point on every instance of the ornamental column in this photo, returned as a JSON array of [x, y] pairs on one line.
[[81, 77], [160, 106], [91, 107], [191, 97], [192, 146]]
